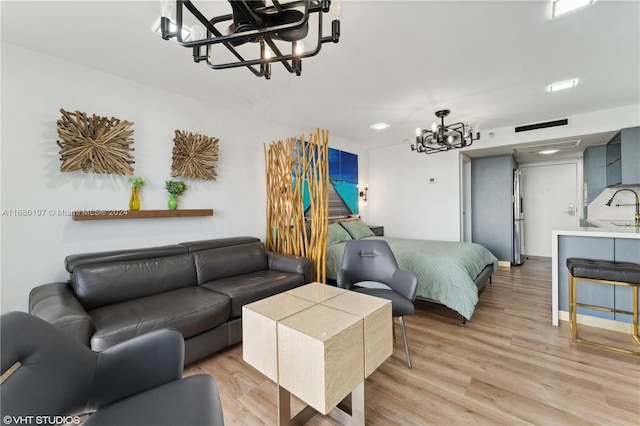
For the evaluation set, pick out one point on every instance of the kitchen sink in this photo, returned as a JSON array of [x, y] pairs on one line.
[[622, 223]]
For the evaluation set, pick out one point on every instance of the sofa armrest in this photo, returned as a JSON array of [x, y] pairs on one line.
[[137, 365], [57, 304], [293, 264]]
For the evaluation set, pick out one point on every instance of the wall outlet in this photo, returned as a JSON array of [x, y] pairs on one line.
[[433, 180]]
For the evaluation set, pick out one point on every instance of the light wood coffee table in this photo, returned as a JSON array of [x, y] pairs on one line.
[[319, 343]]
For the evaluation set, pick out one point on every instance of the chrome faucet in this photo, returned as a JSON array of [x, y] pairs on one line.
[[637, 203]]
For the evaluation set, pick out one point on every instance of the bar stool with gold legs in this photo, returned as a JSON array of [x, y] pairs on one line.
[[602, 272]]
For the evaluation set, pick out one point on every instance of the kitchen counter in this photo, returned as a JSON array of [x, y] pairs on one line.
[[616, 243], [595, 231], [624, 225]]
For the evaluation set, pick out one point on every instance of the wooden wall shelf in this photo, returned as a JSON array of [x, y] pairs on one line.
[[114, 214]]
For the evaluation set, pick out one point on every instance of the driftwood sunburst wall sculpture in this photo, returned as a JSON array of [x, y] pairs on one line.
[[195, 156], [95, 144]]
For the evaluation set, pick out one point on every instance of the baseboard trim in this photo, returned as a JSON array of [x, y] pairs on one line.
[[537, 258], [607, 324], [504, 264]]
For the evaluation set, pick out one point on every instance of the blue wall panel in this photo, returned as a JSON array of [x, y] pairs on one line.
[[590, 293], [626, 250]]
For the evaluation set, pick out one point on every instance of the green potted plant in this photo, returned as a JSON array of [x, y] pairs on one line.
[[136, 183], [175, 188]]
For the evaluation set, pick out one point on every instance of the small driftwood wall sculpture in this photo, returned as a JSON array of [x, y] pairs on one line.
[[95, 144], [293, 167], [195, 156]]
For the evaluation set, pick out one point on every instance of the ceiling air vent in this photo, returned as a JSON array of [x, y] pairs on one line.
[[536, 126], [536, 148]]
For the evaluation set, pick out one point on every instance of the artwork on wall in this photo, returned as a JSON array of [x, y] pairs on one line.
[[195, 156], [95, 144], [343, 178], [343, 184]]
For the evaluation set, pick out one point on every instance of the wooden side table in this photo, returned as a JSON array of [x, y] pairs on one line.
[[319, 343]]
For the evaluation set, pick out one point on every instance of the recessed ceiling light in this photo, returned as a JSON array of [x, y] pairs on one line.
[[563, 85], [548, 151], [379, 126], [560, 7]]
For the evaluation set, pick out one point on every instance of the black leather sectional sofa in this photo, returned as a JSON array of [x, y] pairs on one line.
[[196, 287]]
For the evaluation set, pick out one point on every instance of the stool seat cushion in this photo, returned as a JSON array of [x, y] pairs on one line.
[[608, 270]]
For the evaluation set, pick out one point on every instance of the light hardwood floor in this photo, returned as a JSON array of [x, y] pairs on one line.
[[507, 366]]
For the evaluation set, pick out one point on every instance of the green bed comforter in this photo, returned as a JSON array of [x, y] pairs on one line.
[[446, 269]]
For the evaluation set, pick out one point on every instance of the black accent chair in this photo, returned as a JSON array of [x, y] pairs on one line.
[[48, 373], [370, 263]]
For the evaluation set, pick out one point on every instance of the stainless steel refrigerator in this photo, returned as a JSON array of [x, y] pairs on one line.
[[518, 219]]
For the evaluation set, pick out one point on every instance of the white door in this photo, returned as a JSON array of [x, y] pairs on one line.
[[550, 202]]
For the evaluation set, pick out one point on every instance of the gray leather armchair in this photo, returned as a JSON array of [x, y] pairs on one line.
[[370, 263], [48, 375]]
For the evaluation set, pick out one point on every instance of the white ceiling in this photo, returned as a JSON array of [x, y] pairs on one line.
[[396, 62]]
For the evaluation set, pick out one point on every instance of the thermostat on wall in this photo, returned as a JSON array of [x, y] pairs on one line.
[[433, 180]]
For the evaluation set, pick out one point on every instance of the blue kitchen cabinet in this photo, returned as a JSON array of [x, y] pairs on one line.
[[623, 158], [595, 175], [626, 250]]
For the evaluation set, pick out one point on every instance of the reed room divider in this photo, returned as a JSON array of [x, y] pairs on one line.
[[297, 172]]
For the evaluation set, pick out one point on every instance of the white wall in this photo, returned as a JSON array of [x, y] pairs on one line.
[[34, 88], [407, 206], [402, 200]]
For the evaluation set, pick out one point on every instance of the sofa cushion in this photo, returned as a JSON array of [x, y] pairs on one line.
[[103, 284], [247, 288], [190, 310], [230, 261], [193, 246], [74, 260]]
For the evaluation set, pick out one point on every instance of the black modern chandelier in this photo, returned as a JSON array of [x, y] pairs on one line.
[[444, 138], [254, 35]]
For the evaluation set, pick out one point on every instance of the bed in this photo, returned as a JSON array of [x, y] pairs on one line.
[[449, 273]]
